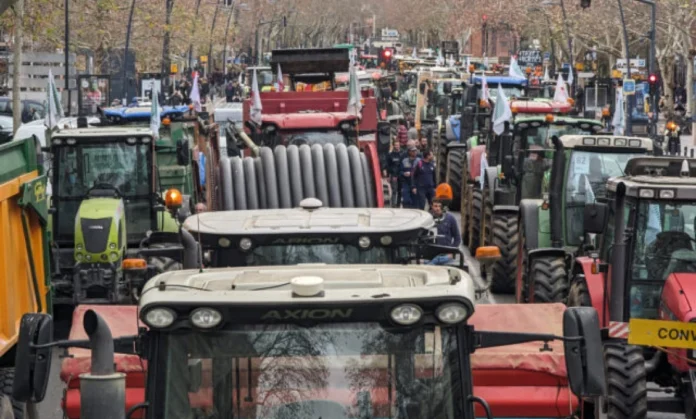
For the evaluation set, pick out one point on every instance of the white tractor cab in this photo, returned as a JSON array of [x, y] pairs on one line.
[[316, 234], [308, 341], [224, 115]]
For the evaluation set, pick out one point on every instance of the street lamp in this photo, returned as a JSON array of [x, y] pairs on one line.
[[571, 58], [553, 45]]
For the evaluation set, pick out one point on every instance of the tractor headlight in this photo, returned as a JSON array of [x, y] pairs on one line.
[[364, 242], [245, 244], [206, 318], [79, 247], [114, 256], [451, 313], [79, 257], [160, 317], [406, 314], [88, 257], [112, 246]]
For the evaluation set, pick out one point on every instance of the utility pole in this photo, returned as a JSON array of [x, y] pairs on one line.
[[165, 47], [193, 31], [571, 56], [628, 103], [227, 30], [66, 76], [17, 65], [374, 26], [210, 49], [124, 87], [651, 59]]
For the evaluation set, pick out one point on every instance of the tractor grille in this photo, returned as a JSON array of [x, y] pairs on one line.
[[96, 234]]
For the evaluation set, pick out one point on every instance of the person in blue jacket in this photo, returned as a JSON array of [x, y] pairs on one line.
[[447, 232], [423, 180], [409, 199]]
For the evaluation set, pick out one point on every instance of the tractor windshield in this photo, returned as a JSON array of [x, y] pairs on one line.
[[510, 91], [270, 255], [542, 135], [125, 168], [664, 244], [587, 175], [332, 371]]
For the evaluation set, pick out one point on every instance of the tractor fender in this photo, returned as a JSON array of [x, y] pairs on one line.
[[455, 145], [475, 162], [529, 218], [491, 182], [506, 209], [546, 252], [595, 287], [678, 296]]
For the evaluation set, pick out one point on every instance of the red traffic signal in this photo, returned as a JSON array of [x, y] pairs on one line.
[[387, 53], [652, 79], [485, 17]]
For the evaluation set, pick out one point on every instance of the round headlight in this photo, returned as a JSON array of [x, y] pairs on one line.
[[224, 242], [451, 313], [114, 256], [364, 242], [88, 257], [79, 247], [245, 244], [79, 257], [206, 318], [160, 317], [112, 246], [406, 314], [385, 240]]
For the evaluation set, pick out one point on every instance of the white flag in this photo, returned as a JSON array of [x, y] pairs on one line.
[[485, 93], [256, 107], [281, 83], [502, 112], [468, 64], [546, 74], [484, 166], [196, 94], [561, 93], [55, 108], [619, 115], [515, 70], [155, 113], [570, 77], [354, 95], [414, 53], [485, 62]]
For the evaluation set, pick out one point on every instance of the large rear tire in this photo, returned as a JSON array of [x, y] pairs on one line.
[[506, 236], [476, 218], [441, 159], [455, 163], [550, 283], [627, 391], [578, 293], [6, 380], [464, 210]]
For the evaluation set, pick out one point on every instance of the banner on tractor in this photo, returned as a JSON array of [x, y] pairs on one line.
[[662, 333]]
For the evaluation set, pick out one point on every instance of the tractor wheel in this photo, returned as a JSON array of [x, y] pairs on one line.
[[441, 159], [521, 284], [6, 379], [464, 210], [578, 294], [487, 230], [626, 379], [506, 236], [476, 218], [455, 164], [549, 279]]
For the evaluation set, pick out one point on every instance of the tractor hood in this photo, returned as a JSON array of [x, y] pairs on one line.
[[679, 297], [99, 208]]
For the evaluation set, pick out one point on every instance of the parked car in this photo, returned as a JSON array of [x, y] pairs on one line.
[[5, 129], [31, 109]]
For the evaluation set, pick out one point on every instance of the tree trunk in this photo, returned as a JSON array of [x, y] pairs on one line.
[[17, 65], [165, 47]]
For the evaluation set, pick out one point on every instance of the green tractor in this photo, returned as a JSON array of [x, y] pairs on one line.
[[107, 209], [550, 234], [494, 199]]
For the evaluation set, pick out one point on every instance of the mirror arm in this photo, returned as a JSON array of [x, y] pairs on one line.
[[119, 343], [485, 339], [484, 404]]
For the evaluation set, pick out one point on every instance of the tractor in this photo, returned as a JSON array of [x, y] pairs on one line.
[[489, 208], [550, 229], [334, 341], [642, 271]]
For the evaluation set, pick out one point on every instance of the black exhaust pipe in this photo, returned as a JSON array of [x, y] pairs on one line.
[[102, 390]]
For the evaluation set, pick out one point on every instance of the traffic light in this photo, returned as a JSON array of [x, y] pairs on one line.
[[585, 3], [386, 55], [653, 82]]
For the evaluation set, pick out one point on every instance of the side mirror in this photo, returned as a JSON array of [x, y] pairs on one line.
[[33, 365], [583, 352], [183, 156], [447, 87], [487, 255], [195, 370], [595, 217]]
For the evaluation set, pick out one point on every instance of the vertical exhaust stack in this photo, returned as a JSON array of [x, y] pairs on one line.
[[102, 390]]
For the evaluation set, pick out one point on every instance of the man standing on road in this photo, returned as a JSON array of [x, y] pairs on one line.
[[423, 179], [394, 159], [410, 200], [447, 232]]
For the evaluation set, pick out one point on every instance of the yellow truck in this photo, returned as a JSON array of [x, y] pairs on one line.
[[24, 252]]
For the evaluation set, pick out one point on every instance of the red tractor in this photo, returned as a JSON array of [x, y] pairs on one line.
[[644, 269], [316, 130]]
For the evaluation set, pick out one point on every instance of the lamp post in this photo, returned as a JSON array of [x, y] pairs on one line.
[[193, 30], [210, 48], [553, 44], [66, 75], [629, 103], [651, 60], [124, 87]]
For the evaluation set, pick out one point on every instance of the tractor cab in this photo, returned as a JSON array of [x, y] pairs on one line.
[[315, 234], [331, 341], [646, 262], [105, 200], [552, 211]]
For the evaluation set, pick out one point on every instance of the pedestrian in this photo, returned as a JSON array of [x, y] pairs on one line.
[[402, 134], [409, 199], [394, 159], [176, 98], [412, 133], [205, 89], [424, 143], [229, 91], [447, 233], [423, 180]]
